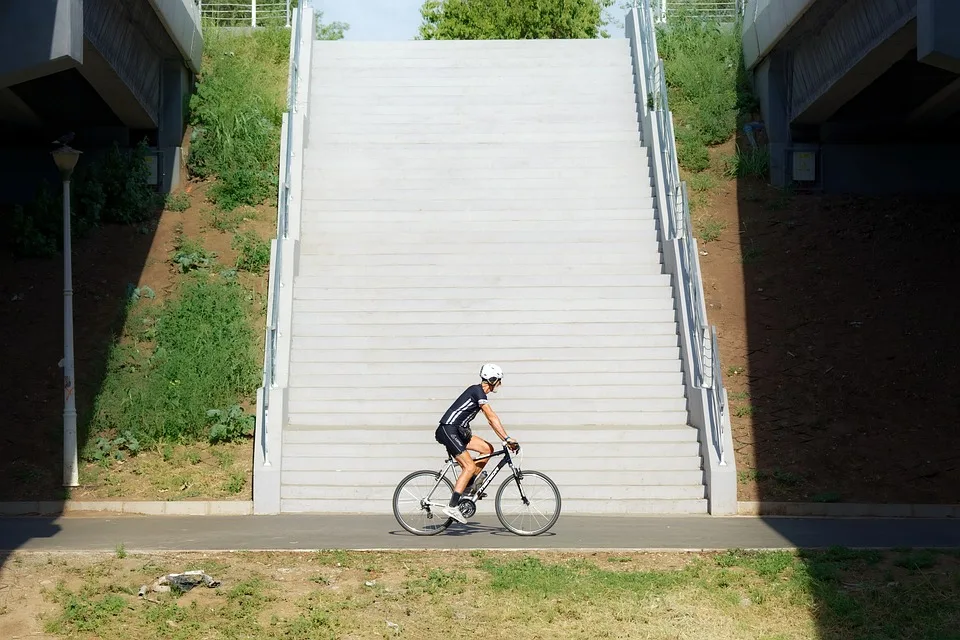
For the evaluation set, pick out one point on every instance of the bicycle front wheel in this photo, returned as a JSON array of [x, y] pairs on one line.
[[528, 506], [418, 500]]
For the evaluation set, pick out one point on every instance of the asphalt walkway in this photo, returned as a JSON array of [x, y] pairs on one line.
[[308, 532]]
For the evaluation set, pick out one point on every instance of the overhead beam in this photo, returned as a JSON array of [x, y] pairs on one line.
[[859, 76], [938, 107]]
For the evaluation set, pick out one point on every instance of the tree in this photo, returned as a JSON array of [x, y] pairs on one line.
[[332, 30], [513, 19]]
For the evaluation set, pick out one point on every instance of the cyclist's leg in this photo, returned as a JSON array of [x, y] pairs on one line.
[[450, 438], [482, 447]]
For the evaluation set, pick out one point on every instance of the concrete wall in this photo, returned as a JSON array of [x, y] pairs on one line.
[[766, 22], [938, 33], [887, 169], [39, 37]]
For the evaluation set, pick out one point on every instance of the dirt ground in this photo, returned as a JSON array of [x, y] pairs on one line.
[[105, 265], [838, 324]]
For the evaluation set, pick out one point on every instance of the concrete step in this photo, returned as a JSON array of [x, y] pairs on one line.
[[444, 343], [452, 98], [574, 492], [567, 330], [510, 406], [463, 294], [322, 137], [479, 48], [479, 251], [477, 235], [448, 282], [519, 389], [560, 442], [334, 378], [561, 476], [580, 370], [451, 61], [391, 112], [402, 228], [387, 181], [469, 266], [361, 127], [316, 203], [403, 466], [604, 218], [380, 505], [492, 79], [518, 420], [426, 453], [413, 178], [304, 304], [484, 352], [495, 321], [538, 156]]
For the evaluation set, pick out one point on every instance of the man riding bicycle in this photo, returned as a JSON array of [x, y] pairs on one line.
[[455, 434]]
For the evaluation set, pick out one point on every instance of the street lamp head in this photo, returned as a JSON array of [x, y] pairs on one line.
[[66, 159]]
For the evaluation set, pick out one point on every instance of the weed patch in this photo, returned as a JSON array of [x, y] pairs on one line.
[[254, 252], [706, 83], [237, 114], [198, 355]]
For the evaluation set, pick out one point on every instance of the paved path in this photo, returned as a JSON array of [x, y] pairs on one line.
[[291, 532]]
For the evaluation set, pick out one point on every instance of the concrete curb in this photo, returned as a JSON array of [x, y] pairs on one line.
[[848, 510], [139, 507]]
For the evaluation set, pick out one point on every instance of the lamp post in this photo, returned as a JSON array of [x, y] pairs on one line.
[[66, 159]]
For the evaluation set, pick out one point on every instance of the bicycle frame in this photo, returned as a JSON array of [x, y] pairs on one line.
[[452, 463]]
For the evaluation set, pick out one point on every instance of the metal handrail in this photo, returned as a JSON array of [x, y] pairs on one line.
[[241, 13], [677, 227], [709, 9], [283, 228]]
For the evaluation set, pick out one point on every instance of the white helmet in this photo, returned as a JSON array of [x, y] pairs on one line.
[[491, 373]]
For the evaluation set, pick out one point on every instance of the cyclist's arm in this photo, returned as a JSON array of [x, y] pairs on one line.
[[494, 421]]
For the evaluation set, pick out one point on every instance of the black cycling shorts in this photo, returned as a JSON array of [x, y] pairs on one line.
[[454, 438]]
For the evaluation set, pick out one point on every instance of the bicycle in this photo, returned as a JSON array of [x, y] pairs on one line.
[[424, 505]]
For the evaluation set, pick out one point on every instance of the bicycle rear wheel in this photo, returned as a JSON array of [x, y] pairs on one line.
[[528, 506], [417, 502]]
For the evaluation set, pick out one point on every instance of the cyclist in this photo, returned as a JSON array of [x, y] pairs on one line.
[[455, 434]]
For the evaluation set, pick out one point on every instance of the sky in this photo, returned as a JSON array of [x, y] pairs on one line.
[[388, 19]]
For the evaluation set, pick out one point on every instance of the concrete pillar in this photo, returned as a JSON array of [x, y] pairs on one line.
[[770, 85], [175, 86], [938, 33]]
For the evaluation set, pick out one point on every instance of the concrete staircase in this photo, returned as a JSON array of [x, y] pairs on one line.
[[466, 202]]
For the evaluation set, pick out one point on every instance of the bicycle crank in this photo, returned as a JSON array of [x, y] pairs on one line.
[[467, 507]]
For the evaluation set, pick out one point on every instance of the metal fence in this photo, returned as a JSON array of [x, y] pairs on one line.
[[719, 10], [245, 13]]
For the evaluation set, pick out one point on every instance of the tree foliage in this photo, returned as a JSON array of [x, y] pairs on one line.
[[513, 19]]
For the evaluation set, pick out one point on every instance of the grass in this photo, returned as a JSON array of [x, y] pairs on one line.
[[254, 252], [193, 353], [832, 594], [706, 84], [236, 114]]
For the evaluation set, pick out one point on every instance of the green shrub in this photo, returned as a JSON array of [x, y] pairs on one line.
[[254, 251], [202, 356], [749, 163], [179, 201]]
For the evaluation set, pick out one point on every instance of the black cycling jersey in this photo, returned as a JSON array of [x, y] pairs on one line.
[[465, 408]]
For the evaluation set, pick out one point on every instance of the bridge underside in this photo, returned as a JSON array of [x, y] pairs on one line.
[[108, 70], [870, 88]]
